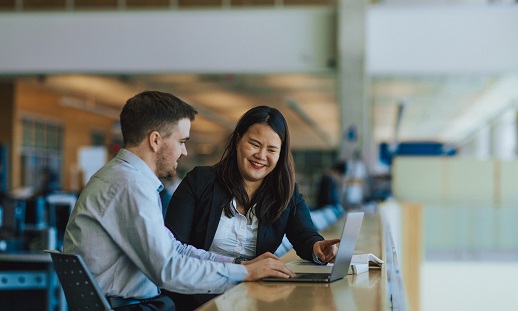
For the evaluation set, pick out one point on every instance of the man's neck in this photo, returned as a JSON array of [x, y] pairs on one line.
[[144, 155]]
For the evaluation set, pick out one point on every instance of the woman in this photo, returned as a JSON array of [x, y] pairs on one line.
[[243, 205]]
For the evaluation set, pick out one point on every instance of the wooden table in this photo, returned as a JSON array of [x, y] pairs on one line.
[[366, 291]]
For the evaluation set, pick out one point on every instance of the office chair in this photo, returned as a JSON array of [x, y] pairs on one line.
[[81, 289]]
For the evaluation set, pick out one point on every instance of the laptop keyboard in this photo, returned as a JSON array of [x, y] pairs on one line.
[[312, 276]]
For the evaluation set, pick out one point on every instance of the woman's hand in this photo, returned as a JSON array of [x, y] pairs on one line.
[[326, 250]]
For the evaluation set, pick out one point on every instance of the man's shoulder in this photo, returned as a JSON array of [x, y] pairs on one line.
[[118, 170], [119, 175]]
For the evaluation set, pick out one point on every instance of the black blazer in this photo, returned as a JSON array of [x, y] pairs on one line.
[[195, 210]]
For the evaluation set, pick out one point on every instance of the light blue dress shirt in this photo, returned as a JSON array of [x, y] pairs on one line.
[[118, 229]]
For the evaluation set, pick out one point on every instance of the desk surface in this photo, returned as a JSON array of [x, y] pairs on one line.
[[366, 291], [26, 256]]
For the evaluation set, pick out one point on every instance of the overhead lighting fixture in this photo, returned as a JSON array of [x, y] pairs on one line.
[[90, 106], [399, 117], [308, 120]]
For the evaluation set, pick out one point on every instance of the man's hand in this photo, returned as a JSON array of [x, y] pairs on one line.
[[326, 250], [266, 265]]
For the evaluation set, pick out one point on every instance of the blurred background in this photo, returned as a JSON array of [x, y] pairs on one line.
[[418, 97]]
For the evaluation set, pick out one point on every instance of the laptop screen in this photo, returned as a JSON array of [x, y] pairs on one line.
[[348, 240]]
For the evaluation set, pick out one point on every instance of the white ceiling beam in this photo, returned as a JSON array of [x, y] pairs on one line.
[[442, 39], [186, 41], [495, 102]]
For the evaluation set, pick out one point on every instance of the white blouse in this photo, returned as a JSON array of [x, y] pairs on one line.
[[236, 236]]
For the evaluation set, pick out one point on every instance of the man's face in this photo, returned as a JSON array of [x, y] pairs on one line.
[[172, 148]]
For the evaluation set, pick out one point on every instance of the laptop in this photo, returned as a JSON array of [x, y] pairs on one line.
[[343, 257]]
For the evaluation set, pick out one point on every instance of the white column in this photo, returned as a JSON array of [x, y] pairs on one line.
[[352, 81], [503, 136], [478, 146]]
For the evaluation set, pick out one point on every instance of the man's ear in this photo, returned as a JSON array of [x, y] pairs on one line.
[[154, 140]]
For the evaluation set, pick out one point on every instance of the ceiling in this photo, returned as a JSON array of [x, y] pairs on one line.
[[442, 108], [449, 109], [307, 101], [438, 108]]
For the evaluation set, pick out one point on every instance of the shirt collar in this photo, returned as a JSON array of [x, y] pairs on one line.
[[233, 208], [141, 166]]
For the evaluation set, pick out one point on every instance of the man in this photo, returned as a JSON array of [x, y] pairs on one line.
[[117, 224], [330, 187]]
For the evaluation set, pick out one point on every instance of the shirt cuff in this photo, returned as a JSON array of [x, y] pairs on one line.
[[316, 260], [236, 273]]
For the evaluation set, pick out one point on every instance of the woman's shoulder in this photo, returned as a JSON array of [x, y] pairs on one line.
[[296, 190], [201, 172], [202, 169], [296, 196], [203, 180]]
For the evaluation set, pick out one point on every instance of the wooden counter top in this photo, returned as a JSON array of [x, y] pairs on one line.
[[366, 291]]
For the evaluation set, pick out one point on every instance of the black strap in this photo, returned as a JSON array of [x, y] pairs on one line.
[[117, 302], [158, 303]]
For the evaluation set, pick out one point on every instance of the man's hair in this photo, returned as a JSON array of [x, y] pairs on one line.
[[276, 190], [152, 111]]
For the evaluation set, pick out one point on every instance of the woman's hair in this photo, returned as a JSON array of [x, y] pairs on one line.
[[276, 190]]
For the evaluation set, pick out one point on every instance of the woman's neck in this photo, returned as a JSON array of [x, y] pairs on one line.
[[251, 187]]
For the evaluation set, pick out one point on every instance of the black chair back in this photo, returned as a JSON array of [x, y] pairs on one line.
[[81, 290]]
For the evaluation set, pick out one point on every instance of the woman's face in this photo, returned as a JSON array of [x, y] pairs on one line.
[[258, 152]]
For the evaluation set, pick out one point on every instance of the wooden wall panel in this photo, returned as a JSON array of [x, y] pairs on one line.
[[148, 3], [44, 4], [7, 108], [95, 4], [78, 125], [199, 3], [7, 4]]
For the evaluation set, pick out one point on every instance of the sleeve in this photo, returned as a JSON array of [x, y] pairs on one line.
[[180, 213], [194, 252], [140, 233], [300, 230]]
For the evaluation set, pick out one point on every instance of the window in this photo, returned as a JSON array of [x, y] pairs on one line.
[[42, 149], [97, 138]]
